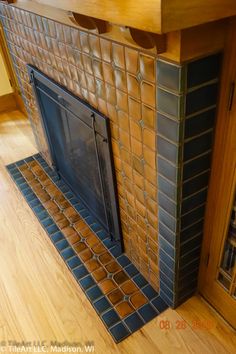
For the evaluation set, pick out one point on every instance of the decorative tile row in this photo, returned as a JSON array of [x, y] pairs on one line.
[[119, 293]]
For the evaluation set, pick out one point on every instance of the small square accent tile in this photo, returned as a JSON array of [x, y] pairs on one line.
[[111, 282]]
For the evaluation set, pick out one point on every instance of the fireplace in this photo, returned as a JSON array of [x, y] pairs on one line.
[[80, 148], [161, 115]]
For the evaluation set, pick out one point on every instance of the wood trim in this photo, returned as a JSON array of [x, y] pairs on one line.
[[179, 14], [8, 102], [208, 38], [158, 16], [223, 178], [11, 72], [133, 13]]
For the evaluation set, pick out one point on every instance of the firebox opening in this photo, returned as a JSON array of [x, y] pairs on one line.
[[80, 147]]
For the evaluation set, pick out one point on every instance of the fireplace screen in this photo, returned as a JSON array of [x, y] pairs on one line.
[[79, 142]]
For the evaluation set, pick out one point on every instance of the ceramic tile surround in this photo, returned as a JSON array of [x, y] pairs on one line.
[[121, 296], [162, 124], [121, 83], [187, 98]]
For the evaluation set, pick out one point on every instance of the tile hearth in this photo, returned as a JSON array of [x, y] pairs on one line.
[[121, 296]]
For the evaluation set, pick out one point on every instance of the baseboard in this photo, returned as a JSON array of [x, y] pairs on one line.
[[8, 102]]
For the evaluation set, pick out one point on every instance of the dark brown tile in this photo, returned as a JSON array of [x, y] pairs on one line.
[[120, 277]]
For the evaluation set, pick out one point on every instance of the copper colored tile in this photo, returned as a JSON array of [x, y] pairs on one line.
[[37, 188], [92, 265], [75, 218], [107, 286], [122, 100], [37, 170], [105, 49], [99, 248], [29, 176], [68, 231], [45, 182], [92, 240], [148, 95], [51, 207], [131, 60], [70, 211], [63, 223], [138, 300], [86, 255], [105, 258], [124, 309], [52, 190], [80, 247], [59, 216], [120, 277], [147, 67], [43, 196], [81, 226], [129, 287], [118, 55], [62, 202], [115, 296], [32, 163], [108, 73], [113, 267], [99, 274], [23, 167], [74, 239]]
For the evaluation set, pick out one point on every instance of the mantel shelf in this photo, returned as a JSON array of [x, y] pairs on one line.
[[157, 16]]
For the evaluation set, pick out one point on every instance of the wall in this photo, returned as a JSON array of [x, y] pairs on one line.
[[162, 125], [5, 87], [121, 83]]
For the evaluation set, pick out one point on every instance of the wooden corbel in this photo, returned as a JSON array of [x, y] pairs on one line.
[[88, 23], [146, 40]]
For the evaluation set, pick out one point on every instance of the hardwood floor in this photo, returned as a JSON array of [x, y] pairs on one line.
[[40, 300]]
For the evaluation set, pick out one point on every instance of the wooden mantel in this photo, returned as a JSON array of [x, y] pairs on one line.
[[158, 16]]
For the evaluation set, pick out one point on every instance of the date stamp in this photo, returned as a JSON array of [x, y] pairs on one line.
[[196, 325]]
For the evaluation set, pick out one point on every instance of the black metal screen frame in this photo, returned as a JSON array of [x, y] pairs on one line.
[[100, 126]]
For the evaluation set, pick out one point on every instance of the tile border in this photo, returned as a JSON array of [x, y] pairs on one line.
[[185, 128], [119, 328]]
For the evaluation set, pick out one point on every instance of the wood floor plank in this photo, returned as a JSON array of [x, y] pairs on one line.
[[39, 298]]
